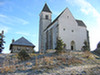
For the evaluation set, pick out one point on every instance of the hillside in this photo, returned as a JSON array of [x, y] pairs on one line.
[[65, 63]]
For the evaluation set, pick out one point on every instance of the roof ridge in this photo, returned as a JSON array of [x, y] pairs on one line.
[[80, 23], [22, 41]]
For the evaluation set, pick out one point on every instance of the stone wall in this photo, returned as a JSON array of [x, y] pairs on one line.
[[16, 49]]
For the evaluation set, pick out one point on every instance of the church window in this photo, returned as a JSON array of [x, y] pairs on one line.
[[72, 30], [46, 17], [67, 16], [64, 29]]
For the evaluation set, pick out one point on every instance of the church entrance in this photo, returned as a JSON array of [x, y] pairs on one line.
[[72, 45]]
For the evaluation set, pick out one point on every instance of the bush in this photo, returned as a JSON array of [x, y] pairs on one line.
[[98, 46], [23, 55], [60, 46], [86, 46]]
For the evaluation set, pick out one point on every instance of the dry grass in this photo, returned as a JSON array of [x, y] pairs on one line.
[[32, 54], [48, 60], [35, 67], [28, 63], [11, 68], [62, 59], [21, 67], [73, 61], [88, 55]]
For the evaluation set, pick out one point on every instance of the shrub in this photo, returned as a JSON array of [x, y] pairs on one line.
[[60, 46], [86, 46], [98, 46], [1, 41], [23, 55]]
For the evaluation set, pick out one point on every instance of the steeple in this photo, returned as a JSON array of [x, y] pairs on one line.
[[46, 8]]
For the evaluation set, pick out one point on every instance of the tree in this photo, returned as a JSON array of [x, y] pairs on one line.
[[86, 46], [1, 41], [60, 46]]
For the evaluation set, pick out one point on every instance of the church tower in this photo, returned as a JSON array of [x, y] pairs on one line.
[[45, 20]]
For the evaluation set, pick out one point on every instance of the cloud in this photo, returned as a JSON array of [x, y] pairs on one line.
[[1, 3], [56, 13], [5, 28], [88, 9], [26, 34], [23, 33], [12, 20]]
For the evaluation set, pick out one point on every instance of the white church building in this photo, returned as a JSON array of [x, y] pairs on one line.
[[71, 31]]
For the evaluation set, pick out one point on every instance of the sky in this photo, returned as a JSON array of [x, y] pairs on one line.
[[21, 18]]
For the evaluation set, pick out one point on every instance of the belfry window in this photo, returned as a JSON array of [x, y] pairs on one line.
[[46, 17]]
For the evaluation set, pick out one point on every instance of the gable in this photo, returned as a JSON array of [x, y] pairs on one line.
[[67, 19]]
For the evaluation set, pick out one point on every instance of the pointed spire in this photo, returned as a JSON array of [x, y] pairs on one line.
[[46, 8]]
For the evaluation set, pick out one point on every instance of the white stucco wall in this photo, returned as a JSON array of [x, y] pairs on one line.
[[79, 35]]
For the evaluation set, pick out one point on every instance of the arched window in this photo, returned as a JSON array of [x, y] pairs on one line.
[[46, 17], [73, 45]]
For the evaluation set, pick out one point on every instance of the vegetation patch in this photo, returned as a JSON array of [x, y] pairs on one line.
[[88, 55], [23, 55], [60, 46], [74, 61]]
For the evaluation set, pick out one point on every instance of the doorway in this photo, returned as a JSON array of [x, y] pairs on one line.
[[72, 45]]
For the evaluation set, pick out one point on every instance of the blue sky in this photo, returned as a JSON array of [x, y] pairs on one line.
[[21, 18]]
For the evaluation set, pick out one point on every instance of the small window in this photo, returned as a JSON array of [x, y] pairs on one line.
[[46, 17], [64, 29], [18, 48], [27, 48], [67, 16], [72, 30]]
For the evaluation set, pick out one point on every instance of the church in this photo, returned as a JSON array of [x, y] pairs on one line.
[[71, 31]]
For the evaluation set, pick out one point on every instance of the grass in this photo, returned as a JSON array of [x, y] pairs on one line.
[[88, 55], [6, 69], [28, 63], [74, 61], [75, 58], [48, 60]]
